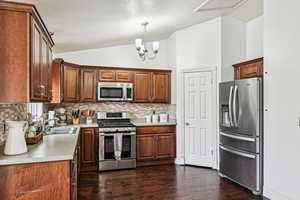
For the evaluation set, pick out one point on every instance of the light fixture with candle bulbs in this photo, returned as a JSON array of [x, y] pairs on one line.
[[142, 46]]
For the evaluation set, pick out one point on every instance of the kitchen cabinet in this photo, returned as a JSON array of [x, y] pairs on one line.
[[89, 142], [142, 87], [25, 59], [113, 75], [156, 145], [249, 69], [161, 87], [88, 85], [152, 87], [107, 75], [71, 82]]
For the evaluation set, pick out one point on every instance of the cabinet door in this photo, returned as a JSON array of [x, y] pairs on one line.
[[88, 146], [165, 146], [88, 85], [142, 87], [146, 147], [44, 69], [35, 74], [123, 76], [161, 87], [71, 83], [50, 60], [107, 75]]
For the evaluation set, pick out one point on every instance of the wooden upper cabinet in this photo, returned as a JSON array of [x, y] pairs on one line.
[[107, 75], [36, 90], [88, 85], [123, 76], [249, 69], [25, 43], [142, 87], [71, 83], [161, 87]]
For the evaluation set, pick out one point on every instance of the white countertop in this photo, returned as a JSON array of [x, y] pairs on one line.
[[53, 148], [59, 147], [142, 122]]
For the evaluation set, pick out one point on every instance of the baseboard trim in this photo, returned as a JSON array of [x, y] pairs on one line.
[[274, 195], [179, 161]]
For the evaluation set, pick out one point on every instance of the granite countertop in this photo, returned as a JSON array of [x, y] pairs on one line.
[[53, 148], [142, 122]]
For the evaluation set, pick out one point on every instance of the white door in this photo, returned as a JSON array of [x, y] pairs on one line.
[[198, 119]]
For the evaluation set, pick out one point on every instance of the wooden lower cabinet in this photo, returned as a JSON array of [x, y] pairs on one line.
[[89, 143], [156, 145]]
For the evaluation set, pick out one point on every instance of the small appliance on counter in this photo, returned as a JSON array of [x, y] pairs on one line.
[[88, 114], [117, 141], [60, 113], [15, 143]]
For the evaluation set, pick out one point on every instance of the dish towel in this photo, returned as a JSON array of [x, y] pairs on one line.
[[118, 141]]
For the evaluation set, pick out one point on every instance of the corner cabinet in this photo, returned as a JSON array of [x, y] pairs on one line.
[[152, 87], [156, 145], [26, 56]]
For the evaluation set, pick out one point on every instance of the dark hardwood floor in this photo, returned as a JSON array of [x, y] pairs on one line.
[[166, 182]]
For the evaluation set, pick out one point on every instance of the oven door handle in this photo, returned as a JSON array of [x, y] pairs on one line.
[[112, 134]]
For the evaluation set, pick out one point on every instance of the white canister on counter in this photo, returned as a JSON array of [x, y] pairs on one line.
[[154, 118], [148, 119], [163, 118]]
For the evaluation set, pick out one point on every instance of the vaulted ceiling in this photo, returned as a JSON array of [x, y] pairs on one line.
[[80, 24]]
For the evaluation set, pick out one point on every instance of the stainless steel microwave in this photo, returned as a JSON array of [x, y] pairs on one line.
[[113, 91]]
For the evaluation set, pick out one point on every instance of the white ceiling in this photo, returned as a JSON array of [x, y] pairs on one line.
[[87, 24]]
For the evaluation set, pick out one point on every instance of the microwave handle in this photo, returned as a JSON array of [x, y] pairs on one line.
[[124, 92]]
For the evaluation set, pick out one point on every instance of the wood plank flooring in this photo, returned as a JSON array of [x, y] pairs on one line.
[[168, 182]]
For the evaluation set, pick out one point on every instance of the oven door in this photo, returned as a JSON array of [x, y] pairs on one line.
[[107, 146], [111, 92]]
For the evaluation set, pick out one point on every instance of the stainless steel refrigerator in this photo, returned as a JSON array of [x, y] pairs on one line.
[[241, 132]]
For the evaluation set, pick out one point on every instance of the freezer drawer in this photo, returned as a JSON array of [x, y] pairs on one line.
[[249, 144], [241, 167]]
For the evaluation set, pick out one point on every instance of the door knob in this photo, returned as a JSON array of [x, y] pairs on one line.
[[187, 124]]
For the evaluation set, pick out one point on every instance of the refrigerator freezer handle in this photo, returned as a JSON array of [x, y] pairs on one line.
[[230, 106], [235, 121]]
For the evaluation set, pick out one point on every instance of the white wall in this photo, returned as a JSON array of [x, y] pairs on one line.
[[196, 46], [233, 45], [117, 56], [255, 33], [282, 97]]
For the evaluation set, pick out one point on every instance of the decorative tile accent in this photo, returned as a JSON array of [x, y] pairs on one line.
[[136, 110], [10, 112]]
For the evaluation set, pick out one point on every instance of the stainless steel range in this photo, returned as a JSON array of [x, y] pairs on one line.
[[117, 141]]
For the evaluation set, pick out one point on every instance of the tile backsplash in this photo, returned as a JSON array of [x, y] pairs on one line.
[[136, 110], [10, 112]]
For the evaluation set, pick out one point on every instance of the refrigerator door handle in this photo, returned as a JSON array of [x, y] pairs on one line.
[[235, 121], [230, 106], [238, 153], [238, 137]]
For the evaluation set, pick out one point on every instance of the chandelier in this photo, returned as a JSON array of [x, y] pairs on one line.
[[142, 46]]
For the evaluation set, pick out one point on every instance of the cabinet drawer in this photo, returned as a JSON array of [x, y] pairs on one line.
[[156, 129]]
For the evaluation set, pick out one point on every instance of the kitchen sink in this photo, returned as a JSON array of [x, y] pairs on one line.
[[62, 130]]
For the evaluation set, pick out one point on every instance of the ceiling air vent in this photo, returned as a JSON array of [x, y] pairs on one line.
[[211, 5]]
